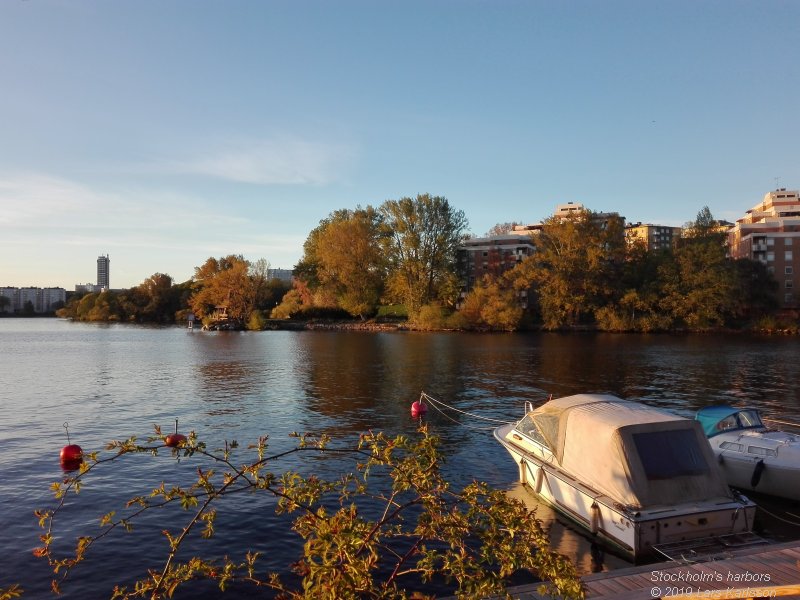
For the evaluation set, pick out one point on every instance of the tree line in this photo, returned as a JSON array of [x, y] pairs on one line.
[[403, 254]]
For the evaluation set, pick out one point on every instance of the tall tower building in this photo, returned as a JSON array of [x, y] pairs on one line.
[[103, 271]]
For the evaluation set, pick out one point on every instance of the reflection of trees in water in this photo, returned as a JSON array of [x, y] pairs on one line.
[[227, 382], [370, 380]]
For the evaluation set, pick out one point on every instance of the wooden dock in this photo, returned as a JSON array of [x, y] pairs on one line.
[[768, 571]]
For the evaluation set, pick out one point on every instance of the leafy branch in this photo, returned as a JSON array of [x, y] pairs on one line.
[[474, 538]]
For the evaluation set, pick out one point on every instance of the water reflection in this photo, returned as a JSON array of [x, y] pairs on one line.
[[115, 381], [588, 556]]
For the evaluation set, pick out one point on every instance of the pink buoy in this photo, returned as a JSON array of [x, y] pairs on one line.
[[418, 408], [71, 455]]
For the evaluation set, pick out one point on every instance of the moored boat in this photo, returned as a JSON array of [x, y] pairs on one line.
[[635, 476], [751, 455]]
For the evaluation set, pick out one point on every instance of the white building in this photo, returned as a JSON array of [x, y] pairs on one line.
[[770, 233]]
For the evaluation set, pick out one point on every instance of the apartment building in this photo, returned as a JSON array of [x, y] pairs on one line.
[[655, 237], [491, 256], [43, 300], [770, 233]]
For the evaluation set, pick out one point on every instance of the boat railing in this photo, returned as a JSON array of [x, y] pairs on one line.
[[769, 421], [528, 406]]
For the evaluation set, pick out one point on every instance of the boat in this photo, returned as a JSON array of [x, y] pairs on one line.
[[753, 456], [635, 477]]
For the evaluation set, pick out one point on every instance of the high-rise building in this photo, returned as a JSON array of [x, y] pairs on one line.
[[103, 272], [770, 233]]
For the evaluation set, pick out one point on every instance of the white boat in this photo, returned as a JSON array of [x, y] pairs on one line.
[[753, 456], [635, 476]]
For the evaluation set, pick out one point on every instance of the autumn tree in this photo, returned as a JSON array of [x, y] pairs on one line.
[[343, 258], [493, 303], [576, 267], [232, 282], [698, 286], [422, 237], [501, 229]]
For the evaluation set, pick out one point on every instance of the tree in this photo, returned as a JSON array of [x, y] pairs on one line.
[[699, 284], [493, 303], [422, 528], [501, 229], [225, 282], [422, 237], [5, 302], [349, 260], [576, 267]]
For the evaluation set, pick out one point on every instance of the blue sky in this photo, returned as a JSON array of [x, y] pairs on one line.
[[164, 132]]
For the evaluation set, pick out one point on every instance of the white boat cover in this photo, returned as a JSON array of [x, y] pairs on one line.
[[639, 456]]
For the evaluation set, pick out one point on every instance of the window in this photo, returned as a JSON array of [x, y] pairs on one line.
[[771, 269], [787, 256], [761, 451], [787, 241], [788, 298], [788, 270], [733, 446], [668, 454], [770, 256], [770, 241], [788, 284]]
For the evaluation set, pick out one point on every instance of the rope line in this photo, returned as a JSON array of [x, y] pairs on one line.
[[774, 516], [438, 405]]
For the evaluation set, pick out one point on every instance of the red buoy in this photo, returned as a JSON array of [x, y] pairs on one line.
[[72, 454], [418, 409], [175, 439]]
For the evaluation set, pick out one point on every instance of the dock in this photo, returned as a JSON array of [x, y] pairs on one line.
[[767, 571]]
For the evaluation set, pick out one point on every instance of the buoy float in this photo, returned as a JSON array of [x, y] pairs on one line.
[[418, 408], [71, 454], [175, 439]]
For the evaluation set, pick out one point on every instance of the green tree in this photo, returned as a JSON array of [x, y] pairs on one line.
[[5, 302], [699, 286], [423, 529], [422, 237], [577, 267]]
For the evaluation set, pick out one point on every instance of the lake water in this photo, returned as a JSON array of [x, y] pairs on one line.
[[113, 381]]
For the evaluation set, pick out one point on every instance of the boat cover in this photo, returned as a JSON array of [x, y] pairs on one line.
[[637, 455], [710, 417]]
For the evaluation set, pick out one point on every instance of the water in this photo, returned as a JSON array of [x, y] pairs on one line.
[[113, 381]]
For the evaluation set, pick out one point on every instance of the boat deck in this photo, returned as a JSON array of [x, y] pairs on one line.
[[757, 572]]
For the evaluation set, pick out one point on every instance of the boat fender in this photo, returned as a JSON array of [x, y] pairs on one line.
[[595, 524], [539, 480], [759, 469]]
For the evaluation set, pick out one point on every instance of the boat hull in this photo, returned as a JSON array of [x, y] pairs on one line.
[[762, 474], [635, 534]]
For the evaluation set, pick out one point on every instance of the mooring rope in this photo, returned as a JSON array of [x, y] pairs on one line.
[[774, 516], [442, 406]]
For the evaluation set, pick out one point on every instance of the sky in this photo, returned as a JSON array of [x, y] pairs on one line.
[[164, 132]]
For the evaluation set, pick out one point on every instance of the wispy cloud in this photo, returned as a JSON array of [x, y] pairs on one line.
[[288, 161]]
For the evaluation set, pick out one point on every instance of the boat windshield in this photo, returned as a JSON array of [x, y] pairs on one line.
[[750, 418], [744, 419], [528, 427]]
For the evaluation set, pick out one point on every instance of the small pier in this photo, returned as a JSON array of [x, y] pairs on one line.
[[766, 571]]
